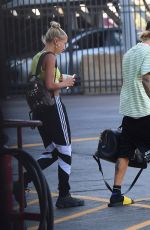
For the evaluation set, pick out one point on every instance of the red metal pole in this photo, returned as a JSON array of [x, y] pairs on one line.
[[6, 202]]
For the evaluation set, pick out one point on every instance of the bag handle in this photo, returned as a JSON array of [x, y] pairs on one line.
[[107, 185]]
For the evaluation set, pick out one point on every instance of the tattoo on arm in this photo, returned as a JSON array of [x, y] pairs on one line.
[[117, 166], [146, 84]]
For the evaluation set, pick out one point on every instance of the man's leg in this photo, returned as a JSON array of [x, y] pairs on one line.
[[116, 198], [120, 170]]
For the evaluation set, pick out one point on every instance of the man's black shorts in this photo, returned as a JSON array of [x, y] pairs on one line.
[[135, 134]]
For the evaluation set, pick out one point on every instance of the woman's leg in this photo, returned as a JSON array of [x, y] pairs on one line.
[[63, 145], [49, 157], [64, 169]]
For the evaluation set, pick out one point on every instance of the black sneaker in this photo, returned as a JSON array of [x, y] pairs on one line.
[[116, 201], [68, 202], [17, 192]]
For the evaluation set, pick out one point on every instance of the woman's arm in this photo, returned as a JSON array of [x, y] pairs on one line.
[[49, 67]]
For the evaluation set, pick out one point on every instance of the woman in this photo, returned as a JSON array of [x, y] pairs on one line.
[[55, 131]]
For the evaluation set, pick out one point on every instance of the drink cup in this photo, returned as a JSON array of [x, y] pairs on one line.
[[65, 76]]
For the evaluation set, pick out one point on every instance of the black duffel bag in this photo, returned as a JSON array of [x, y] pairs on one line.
[[108, 149]]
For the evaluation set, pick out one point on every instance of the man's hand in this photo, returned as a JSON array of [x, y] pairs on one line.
[[146, 83]]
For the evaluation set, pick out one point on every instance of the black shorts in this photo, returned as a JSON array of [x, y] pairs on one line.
[[135, 134]]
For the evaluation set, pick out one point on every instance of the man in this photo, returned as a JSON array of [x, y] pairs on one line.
[[135, 108]]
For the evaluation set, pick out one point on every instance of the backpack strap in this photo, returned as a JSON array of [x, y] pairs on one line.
[[39, 64], [107, 185]]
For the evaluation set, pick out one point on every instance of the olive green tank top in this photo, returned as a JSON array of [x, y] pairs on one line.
[[42, 74]]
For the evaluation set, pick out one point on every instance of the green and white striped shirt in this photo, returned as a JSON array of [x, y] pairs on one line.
[[134, 101]]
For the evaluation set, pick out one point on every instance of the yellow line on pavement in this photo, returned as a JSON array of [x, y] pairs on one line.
[[92, 198], [92, 210], [100, 199], [141, 205], [79, 214], [142, 199], [33, 228], [75, 215], [55, 194], [85, 139], [143, 224], [134, 227], [139, 226], [73, 140], [35, 201]]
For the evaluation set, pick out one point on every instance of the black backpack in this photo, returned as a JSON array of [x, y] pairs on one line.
[[37, 95]]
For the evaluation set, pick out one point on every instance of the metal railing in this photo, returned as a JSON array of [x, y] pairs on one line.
[[99, 33]]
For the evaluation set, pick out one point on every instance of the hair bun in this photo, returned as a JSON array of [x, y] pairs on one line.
[[55, 25]]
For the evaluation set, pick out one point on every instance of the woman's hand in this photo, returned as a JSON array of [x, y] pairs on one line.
[[68, 80]]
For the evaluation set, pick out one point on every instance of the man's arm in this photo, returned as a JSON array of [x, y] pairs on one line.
[[146, 83]]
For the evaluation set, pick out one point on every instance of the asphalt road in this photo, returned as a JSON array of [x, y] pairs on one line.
[[88, 115]]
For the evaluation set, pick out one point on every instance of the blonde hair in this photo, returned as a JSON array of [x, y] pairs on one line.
[[145, 36], [54, 31]]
